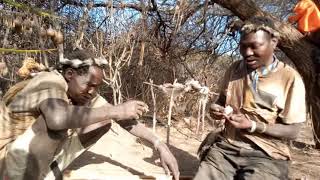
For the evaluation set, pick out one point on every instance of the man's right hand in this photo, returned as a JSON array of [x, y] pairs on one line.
[[217, 111], [131, 109]]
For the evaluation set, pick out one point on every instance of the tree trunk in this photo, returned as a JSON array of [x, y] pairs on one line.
[[294, 45]]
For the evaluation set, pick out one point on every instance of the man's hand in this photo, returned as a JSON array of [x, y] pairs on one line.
[[168, 161], [217, 111], [239, 121], [131, 109]]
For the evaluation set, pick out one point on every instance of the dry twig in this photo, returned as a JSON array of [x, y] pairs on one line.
[[154, 120]]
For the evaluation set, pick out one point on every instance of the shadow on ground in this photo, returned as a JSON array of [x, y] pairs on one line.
[[188, 163]]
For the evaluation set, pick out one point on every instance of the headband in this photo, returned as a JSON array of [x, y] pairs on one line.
[[76, 63]]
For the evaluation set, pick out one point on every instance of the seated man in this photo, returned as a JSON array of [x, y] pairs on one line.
[[55, 116], [268, 101]]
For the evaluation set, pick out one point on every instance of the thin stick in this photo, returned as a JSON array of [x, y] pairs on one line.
[[60, 52], [140, 63], [199, 117], [144, 31], [82, 26], [5, 39], [204, 103], [169, 114], [154, 120], [26, 50], [151, 84]]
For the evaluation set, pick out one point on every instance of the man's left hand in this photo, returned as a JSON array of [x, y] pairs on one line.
[[168, 161], [239, 121]]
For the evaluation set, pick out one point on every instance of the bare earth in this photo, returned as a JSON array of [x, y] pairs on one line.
[[119, 155]]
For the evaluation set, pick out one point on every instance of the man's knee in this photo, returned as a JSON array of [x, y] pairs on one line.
[[215, 166], [273, 170], [253, 175], [207, 171]]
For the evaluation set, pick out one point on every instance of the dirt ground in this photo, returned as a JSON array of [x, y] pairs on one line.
[[119, 155]]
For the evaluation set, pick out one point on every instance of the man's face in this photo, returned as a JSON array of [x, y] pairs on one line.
[[257, 49], [82, 88]]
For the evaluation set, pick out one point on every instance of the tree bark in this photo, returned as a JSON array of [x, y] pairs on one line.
[[294, 45]]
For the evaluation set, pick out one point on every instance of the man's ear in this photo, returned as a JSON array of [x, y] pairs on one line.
[[274, 42], [68, 74]]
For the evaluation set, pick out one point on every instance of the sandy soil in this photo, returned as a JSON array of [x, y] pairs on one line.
[[119, 155]]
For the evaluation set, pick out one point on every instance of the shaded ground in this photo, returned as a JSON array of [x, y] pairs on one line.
[[118, 155], [305, 164]]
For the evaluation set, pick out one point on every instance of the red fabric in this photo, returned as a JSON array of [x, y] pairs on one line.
[[307, 15]]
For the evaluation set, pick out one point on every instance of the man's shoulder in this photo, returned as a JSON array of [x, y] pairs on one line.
[[46, 80], [44, 84], [48, 76], [288, 72]]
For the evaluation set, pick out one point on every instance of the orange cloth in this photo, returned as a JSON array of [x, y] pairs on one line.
[[307, 15]]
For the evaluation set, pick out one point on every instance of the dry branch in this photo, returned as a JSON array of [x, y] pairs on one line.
[[171, 102], [83, 24], [154, 120]]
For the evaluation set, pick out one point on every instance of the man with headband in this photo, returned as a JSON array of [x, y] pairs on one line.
[[267, 98], [53, 117]]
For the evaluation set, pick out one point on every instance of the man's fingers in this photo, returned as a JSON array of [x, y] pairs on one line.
[[175, 170], [235, 117], [139, 112], [136, 116], [143, 106], [166, 169], [235, 109], [231, 118], [140, 103], [176, 175], [217, 108], [139, 108], [226, 117], [234, 123], [218, 113]]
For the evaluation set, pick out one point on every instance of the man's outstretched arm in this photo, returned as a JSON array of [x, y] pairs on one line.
[[59, 115], [94, 132], [168, 161]]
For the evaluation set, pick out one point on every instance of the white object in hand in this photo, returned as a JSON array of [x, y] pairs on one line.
[[228, 110]]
